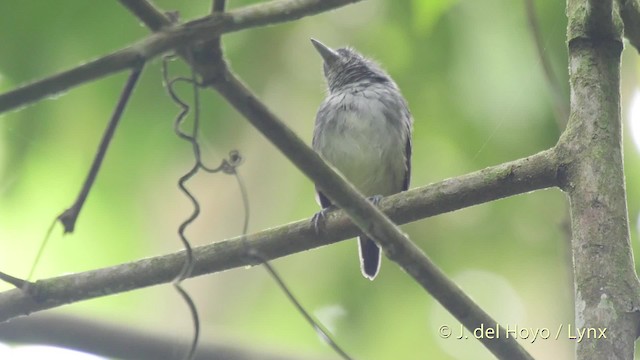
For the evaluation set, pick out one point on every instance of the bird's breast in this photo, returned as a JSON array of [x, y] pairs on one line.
[[364, 144]]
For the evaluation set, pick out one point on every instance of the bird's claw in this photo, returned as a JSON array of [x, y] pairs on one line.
[[319, 218], [375, 199]]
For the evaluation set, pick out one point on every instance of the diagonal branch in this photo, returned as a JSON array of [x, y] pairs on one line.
[[145, 11], [69, 217], [520, 176], [179, 36]]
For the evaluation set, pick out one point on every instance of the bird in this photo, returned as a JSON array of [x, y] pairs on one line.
[[363, 128]]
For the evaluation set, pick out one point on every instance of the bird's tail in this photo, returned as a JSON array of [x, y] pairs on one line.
[[369, 257]]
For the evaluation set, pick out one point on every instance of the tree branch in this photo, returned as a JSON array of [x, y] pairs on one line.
[[599, 18], [50, 86], [560, 107], [516, 177], [179, 36], [630, 14], [153, 18], [123, 342], [607, 290], [69, 217], [593, 19], [218, 5]]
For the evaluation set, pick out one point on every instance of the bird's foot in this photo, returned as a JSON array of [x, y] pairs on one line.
[[319, 218], [375, 199]]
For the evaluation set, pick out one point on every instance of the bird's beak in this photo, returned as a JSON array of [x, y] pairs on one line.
[[328, 54]]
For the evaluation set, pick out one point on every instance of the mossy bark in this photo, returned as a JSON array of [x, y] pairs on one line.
[[607, 290]]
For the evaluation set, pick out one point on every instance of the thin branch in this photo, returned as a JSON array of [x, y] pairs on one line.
[[50, 86], [535, 172], [41, 248], [560, 107], [153, 18], [320, 330], [124, 342], [599, 18], [218, 6], [17, 282], [593, 19], [630, 13], [69, 217], [179, 36]]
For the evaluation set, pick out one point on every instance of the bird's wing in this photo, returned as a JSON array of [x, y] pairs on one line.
[[407, 158], [402, 114]]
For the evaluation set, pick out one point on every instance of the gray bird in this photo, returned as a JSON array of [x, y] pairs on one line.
[[363, 128]]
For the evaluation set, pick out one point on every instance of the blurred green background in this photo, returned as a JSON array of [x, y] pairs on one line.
[[474, 83]]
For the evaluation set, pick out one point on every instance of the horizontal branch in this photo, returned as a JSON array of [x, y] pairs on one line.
[[169, 38], [124, 342], [516, 177]]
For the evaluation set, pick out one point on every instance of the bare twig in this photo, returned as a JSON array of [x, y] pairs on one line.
[[217, 6], [179, 36], [17, 282], [68, 217], [149, 14], [316, 325], [560, 107], [43, 245], [319, 329]]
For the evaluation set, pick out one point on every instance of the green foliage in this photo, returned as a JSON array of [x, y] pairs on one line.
[[426, 13]]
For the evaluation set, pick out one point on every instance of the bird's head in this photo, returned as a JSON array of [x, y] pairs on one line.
[[345, 66]]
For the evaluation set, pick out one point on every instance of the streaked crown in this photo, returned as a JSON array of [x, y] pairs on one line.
[[346, 67]]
